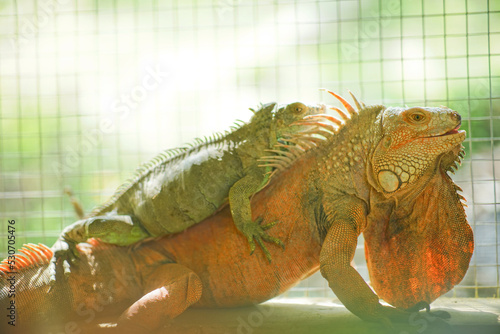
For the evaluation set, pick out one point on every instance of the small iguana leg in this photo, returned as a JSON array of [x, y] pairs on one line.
[[117, 230], [336, 255], [169, 290], [239, 202]]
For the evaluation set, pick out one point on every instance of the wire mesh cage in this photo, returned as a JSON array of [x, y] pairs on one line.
[[90, 89]]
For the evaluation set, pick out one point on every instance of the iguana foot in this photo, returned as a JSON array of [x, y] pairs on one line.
[[419, 306], [424, 305], [254, 231], [388, 316], [65, 253]]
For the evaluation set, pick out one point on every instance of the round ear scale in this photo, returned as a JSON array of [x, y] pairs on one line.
[[389, 181]]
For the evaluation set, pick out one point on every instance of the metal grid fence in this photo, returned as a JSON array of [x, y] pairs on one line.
[[89, 89]]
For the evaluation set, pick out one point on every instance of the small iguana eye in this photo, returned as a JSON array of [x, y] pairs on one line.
[[298, 110], [417, 117]]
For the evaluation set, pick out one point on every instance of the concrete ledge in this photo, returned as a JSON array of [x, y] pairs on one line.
[[311, 316], [322, 315]]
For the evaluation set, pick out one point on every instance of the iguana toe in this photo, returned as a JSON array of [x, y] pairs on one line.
[[274, 240], [251, 244], [65, 253], [419, 306], [264, 249], [52, 273], [256, 233], [66, 268], [266, 227], [424, 305]]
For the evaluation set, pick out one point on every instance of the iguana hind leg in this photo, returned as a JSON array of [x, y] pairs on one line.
[[239, 202], [169, 291], [115, 229]]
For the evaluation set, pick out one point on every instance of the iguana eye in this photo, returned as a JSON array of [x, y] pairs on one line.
[[298, 110], [417, 117]]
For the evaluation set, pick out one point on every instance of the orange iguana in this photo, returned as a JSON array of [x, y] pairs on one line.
[[378, 171]]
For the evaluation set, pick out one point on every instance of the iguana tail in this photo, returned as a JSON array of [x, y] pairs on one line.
[[77, 206]]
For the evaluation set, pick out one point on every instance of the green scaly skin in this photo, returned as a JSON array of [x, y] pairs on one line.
[[176, 192]]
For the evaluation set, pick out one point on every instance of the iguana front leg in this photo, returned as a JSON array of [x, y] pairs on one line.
[[239, 201], [118, 230], [347, 219]]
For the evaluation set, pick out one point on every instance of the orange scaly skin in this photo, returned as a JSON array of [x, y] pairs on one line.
[[243, 279], [360, 179]]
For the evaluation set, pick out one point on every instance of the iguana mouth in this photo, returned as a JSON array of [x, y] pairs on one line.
[[453, 131]]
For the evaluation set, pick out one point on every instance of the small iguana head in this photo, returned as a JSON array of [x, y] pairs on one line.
[[413, 140], [292, 112]]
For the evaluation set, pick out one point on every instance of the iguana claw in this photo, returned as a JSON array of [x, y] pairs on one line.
[[424, 305], [254, 230], [65, 253]]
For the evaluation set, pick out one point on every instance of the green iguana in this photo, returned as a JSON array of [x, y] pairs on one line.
[[380, 171], [181, 187]]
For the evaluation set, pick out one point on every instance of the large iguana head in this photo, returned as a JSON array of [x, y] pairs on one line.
[[412, 141]]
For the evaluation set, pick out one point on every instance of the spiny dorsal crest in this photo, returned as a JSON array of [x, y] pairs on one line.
[[180, 151], [318, 129], [166, 156], [31, 256]]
